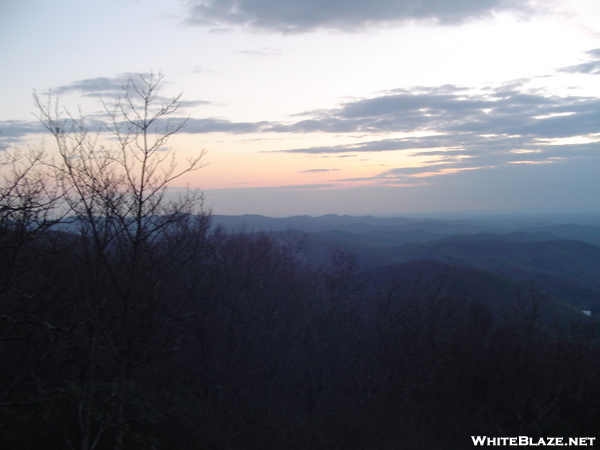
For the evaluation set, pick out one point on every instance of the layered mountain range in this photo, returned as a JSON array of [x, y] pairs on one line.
[[483, 256]]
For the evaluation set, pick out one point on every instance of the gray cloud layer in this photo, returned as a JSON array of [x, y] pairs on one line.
[[319, 170], [459, 129], [590, 67], [298, 16], [465, 130], [13, 130], [101, 86], [106, 87], [215, 125], [450, 109]]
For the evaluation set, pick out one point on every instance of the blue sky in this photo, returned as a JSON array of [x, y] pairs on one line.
[[337, 106]]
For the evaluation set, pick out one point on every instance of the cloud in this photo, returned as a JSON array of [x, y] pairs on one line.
[[457, 129], [373, 146], [455, 113], [215, 125], [318, 170], [450, 126], [117, 86], [590, 67], [265, 51], [193, 103], [407, 110], [94, 87], [12, 130], [300, 16]]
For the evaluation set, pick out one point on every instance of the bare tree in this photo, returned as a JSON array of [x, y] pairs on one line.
[[27, 200], [127, 243]]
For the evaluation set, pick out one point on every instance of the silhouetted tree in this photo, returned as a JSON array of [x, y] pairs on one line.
[[108, 313]]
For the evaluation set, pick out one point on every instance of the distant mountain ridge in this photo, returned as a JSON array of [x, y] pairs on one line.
[[535, 228], [501, 294], [562, 259]]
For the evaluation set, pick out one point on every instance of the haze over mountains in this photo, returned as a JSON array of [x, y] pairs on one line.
[[301, 333], [557, 255]]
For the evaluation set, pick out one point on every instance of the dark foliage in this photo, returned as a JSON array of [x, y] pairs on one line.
[[231, 341]]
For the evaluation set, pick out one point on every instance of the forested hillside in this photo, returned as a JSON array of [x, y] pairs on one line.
[[235, 341]]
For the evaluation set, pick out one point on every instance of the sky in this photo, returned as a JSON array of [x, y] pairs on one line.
[[382, 107]]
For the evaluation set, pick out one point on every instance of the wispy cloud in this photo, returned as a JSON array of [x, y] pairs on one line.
[[450, 126], [13, 130], [265, 51], [16, 129], [193, 103], [318, 170], [101, 86], [112, 87], [300, 16], [458, 129], [217, 125], [452, 109], [590, 67]]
